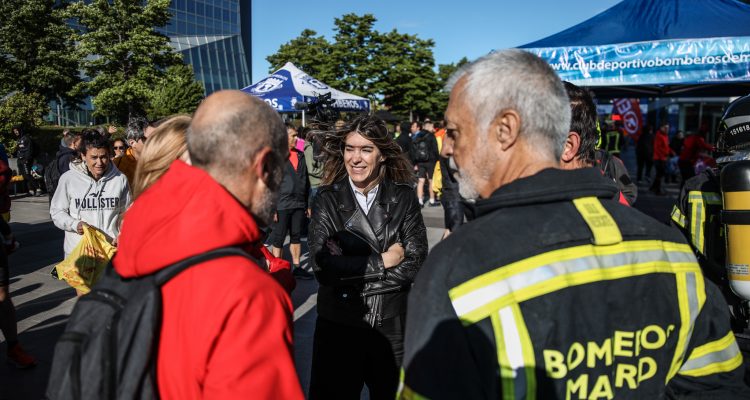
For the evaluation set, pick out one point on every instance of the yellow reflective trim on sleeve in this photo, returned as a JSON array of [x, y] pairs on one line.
[[716, 368], [528, 352], [698, 202], [507, 375], [406, 393], [602, 225], [678, 217], [690, 304], [713, 347]]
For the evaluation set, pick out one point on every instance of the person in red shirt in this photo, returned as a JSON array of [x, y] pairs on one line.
[[226, 329], [691, 148], [661, 152]]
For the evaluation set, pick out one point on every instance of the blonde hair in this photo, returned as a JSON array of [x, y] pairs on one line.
[[166, 144]]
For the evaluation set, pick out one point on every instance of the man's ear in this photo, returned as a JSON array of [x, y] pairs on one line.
[[506, 127], [572, 144], [262, 165]]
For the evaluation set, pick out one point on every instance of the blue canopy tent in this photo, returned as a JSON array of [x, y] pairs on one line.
[[656, 48], [289, 85]]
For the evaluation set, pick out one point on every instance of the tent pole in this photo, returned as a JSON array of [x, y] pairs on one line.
[[303, 118]]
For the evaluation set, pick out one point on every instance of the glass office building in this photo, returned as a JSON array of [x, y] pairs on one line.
[[214, 37]]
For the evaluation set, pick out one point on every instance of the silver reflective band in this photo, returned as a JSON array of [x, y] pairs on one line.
[[720, 356]]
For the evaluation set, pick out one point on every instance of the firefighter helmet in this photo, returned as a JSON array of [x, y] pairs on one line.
[[734, 131]]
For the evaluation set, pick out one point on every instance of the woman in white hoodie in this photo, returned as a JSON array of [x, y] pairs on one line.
[[93, 192]]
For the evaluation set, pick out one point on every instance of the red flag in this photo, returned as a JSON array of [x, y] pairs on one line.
[[630, 111]]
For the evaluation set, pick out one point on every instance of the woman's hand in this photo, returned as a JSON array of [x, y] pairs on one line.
[[393, 256]]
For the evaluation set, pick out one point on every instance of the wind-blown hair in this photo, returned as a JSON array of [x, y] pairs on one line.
[[521, 81], [395, 166], [583, 121], [166, 144]]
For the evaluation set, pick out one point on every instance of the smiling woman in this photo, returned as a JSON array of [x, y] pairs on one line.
[[367, 242]]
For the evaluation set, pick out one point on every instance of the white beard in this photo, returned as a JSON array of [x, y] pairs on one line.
[[466, 187]]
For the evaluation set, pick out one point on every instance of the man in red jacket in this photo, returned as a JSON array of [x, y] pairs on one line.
[[226, 324], [661, 152]]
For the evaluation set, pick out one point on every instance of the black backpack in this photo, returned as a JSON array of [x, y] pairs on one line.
[[108, 349], [421, 150]]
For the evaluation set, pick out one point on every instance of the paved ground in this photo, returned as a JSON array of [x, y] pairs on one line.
[[44, 303]]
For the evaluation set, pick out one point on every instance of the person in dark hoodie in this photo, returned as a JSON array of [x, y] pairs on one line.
[[226, 328], [26, 152]]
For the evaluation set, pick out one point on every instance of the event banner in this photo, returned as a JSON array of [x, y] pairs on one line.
[[630, 112], [663, 62]]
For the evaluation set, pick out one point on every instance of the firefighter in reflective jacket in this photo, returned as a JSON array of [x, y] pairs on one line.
[[555, 290], [697, 214]]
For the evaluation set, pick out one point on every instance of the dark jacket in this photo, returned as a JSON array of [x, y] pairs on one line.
[[432, 147], [404, 141], [358, 290], [295, 187], [26, 149], [64, 156], [558, 290]]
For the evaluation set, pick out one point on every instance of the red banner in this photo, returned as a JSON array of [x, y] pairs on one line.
[[630, 111]]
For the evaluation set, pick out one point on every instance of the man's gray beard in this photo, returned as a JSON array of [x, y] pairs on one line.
[[465, 187], [263, 211]]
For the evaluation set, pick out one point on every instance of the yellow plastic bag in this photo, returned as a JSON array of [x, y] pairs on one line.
[[82, 268]]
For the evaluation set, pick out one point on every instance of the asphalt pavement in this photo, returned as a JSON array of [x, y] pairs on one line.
[[44, 303]]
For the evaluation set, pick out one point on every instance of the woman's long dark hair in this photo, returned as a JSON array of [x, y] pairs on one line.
[[395, 166]]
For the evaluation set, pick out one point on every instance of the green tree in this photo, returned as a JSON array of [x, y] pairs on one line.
[[125, 57], [309, 53], [176, 93], [37, 50], [445, 71], [407, 79], [352, 53], [20, 109]]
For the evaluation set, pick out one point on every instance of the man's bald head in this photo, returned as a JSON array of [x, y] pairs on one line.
[[229, 128]]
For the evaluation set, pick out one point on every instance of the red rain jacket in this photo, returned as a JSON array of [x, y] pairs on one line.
[[227, 323]]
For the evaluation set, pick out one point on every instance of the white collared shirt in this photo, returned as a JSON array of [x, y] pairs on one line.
[[365, 201]]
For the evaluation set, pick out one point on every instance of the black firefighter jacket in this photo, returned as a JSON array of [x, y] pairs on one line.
[[556, 291], [356, 289]]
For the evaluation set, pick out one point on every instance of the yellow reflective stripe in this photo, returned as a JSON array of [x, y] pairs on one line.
[[716, 368], [406, 393], [697, 217], [690, 303], [713, 347], [528, 352], [698, 201], [602, 226], [495, 289], [678, 217], [562, 255], [722, 355], [507, 374]]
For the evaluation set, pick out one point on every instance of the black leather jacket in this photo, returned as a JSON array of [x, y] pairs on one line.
[[358, 290]]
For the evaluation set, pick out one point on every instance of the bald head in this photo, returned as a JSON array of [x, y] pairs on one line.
[[229, 128]]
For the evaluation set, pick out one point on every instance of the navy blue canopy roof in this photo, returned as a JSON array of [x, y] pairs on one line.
[[647, 20], [656, 47]]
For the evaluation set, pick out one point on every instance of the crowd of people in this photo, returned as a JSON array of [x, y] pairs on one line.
[[547, 283]]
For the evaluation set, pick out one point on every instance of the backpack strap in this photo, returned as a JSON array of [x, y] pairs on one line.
[[164, 275]]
